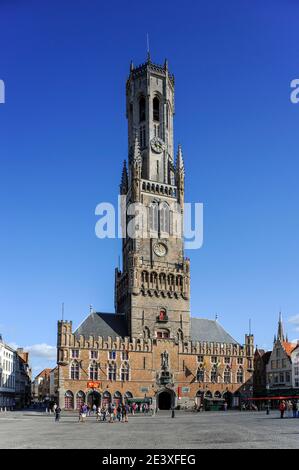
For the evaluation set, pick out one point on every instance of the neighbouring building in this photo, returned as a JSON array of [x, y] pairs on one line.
[[41, 387], [276, 372], [151, 349], [54, 384], [15, 377]]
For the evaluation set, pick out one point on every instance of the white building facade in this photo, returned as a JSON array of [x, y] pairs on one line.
[[7, 375]]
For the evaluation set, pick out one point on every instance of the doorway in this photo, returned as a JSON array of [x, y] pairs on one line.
[[165, 400]]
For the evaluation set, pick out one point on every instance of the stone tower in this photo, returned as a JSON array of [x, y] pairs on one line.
[[153, 288]]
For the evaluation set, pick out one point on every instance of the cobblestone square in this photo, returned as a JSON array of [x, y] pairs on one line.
[[188, 430]]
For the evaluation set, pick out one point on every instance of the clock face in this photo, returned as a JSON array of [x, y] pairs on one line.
[[157, 145], [160, 249]]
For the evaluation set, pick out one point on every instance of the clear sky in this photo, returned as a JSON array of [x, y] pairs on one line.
[[63, 138]]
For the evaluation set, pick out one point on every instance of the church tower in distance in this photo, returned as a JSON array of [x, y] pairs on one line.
[[153, 288]]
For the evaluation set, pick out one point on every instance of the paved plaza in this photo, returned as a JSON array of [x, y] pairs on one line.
[[188, 430]]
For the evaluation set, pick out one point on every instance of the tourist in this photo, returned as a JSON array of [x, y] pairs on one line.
[[289, 408], [225, 406], [57, 414], [98, 413], [94, 408], [282, 408]]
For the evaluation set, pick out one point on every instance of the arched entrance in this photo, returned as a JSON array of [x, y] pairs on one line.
[[165, 400], [94, 398]]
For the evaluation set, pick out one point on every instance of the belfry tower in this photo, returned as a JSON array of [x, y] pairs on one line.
[[153, 288]]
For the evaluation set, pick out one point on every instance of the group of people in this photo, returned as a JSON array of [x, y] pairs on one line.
[[113, 412], [291, 407]]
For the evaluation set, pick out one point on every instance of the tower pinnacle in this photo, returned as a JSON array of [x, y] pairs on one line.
[[280, 334]]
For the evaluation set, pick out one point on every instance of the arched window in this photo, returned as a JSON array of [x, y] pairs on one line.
[[227, 375], [112, 371], [153, 216], [128, 395], [144, 278], [142, 109], [69, 400], [240, 375], [200, 376], [74, 371], [214, 374], [180, 335], [164, 217], [162, 280], [80, 399], [156, 109], [93, 371], [117, 398], [146, 332], [106, 398], [163, 334], [217, 394], [154, 280], [125, 372]]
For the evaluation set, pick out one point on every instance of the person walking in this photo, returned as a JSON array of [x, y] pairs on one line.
[[57, 414], [297, 409], [225, 406], [98, 413], [282, 408], [289, 408]]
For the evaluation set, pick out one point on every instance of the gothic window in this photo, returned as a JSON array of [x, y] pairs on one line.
[[153, 280], [162, 334], [170, 282], [162, 280], [142, 109], [125, 372], [124, 355], [180, 335], [240, 377], [144, 278], [112, 355], [227, 375], [214, 374], [156, 109], [93, 371], [112, 371], [164, 217], [146, 332], [93, 354], [200, 375], [75, 371], [142, 136], [80, 399], [69, 400], [153, 216]]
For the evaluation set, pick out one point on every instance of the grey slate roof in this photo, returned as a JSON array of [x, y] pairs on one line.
[[203, 329], [110, 324], [103, 324]]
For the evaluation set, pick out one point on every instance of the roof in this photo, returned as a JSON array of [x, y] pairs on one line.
[[203, 329], [44, 373], [288, 347], [103, 324]]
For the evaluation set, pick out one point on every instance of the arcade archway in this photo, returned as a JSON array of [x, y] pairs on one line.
[[165, 400], [94, 398]]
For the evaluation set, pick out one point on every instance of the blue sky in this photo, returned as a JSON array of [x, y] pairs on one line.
[[63, 139]]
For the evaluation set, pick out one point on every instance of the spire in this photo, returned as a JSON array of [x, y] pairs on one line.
[[274, 339], [131, 66], [124, 180], [179, 161], [280, 334], [148, 48], [136, 154]]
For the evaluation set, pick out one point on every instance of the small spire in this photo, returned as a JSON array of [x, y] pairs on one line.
[[166, 64], [179, 160], [274, 339], [280, 334], [216, 317], [131, 66], [136, 150], [124, 179], [148, 48]]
